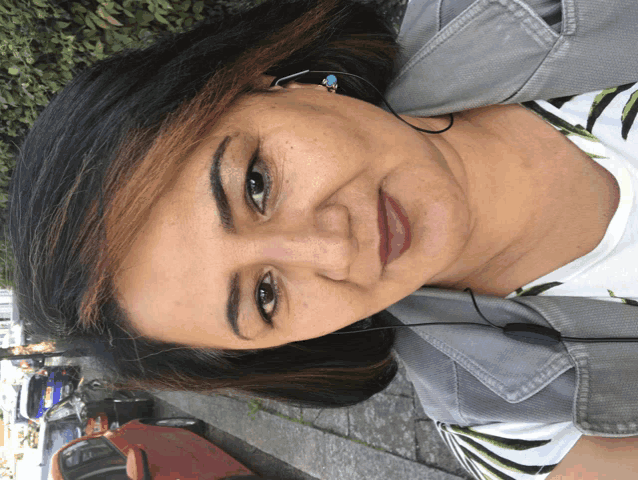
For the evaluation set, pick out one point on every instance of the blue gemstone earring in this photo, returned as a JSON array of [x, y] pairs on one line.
[[330, 82]]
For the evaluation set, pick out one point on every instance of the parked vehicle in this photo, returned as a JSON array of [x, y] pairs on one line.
[[43, 389], [52, 437], [97, 408], [90, 405], [10, 403], [145, 449]]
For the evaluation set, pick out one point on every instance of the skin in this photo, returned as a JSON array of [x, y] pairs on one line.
[[599, 458], [491, 205]]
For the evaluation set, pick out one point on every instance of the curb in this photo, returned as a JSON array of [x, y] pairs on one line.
[[317, 453]]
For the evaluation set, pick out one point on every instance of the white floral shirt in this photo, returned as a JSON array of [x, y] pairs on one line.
[[602, 124]]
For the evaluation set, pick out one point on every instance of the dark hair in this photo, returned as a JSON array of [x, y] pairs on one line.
[[108, 145]]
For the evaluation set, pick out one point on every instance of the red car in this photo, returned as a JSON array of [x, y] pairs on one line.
[[147, 449]]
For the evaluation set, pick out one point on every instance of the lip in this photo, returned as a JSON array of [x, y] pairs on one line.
[[394, 229]]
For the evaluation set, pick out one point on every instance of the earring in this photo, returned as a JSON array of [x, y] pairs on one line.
[[330, 82]]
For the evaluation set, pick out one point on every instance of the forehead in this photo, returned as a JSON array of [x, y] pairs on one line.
[[160, 281]]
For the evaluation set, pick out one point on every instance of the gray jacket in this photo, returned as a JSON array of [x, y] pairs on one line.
[[495, 51], [461, 54], [474, 374]]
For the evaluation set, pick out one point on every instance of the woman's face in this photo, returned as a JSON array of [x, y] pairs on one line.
[[277, 224]]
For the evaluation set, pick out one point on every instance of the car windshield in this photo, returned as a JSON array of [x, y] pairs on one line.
[[92, 459], [55, 435], [36, 386]]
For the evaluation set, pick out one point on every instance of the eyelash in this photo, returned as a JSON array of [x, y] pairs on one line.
[[267, 183], [275, 297]]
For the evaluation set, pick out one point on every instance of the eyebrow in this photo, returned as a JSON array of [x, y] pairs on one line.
[[232, 305], [223, 207], [216, 186]]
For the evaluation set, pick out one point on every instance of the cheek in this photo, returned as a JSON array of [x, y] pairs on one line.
[[322, 308]]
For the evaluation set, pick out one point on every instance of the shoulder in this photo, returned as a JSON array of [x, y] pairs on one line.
[[506, 51]]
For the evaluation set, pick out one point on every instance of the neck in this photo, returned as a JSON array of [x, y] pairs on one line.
[[537, 202]]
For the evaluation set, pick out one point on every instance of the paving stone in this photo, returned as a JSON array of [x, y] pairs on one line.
[[296, 444], [310, 414], [387, 422], [319, 454], [419, 413], [281, 408], [333, 420], [400, 385], [350, 461], [433, 451]]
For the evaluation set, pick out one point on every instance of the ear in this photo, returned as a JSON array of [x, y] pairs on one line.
[[310, 86], [268, 79]]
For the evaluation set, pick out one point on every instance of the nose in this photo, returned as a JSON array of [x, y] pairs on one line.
[[323, 243]]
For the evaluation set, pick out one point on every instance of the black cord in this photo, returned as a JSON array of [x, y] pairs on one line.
[[468, 289], [491, 325], [299, 74], [526, 332], [413, 325]]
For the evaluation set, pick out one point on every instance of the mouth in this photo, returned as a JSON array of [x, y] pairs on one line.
[[394, 229]]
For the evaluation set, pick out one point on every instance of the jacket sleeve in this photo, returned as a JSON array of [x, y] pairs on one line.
[[504, 51]]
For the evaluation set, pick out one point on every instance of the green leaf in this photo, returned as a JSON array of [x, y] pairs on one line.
[[107, 17], [602, 101], [537, 289], [14, 70], [629, 114], [89, 22], [166, 5], [143, 18], [110, 7], [198, 7], [629, 105], [161, 19], [97, 20]]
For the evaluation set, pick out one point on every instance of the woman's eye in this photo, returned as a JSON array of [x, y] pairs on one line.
[[267, 297], [257, 186]]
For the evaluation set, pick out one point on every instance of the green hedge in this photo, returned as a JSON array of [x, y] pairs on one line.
[[43, 43]]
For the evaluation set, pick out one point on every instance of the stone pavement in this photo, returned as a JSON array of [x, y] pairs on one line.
[[387, 437]]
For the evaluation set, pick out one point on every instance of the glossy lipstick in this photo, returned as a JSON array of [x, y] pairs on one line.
[[394, 229]]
